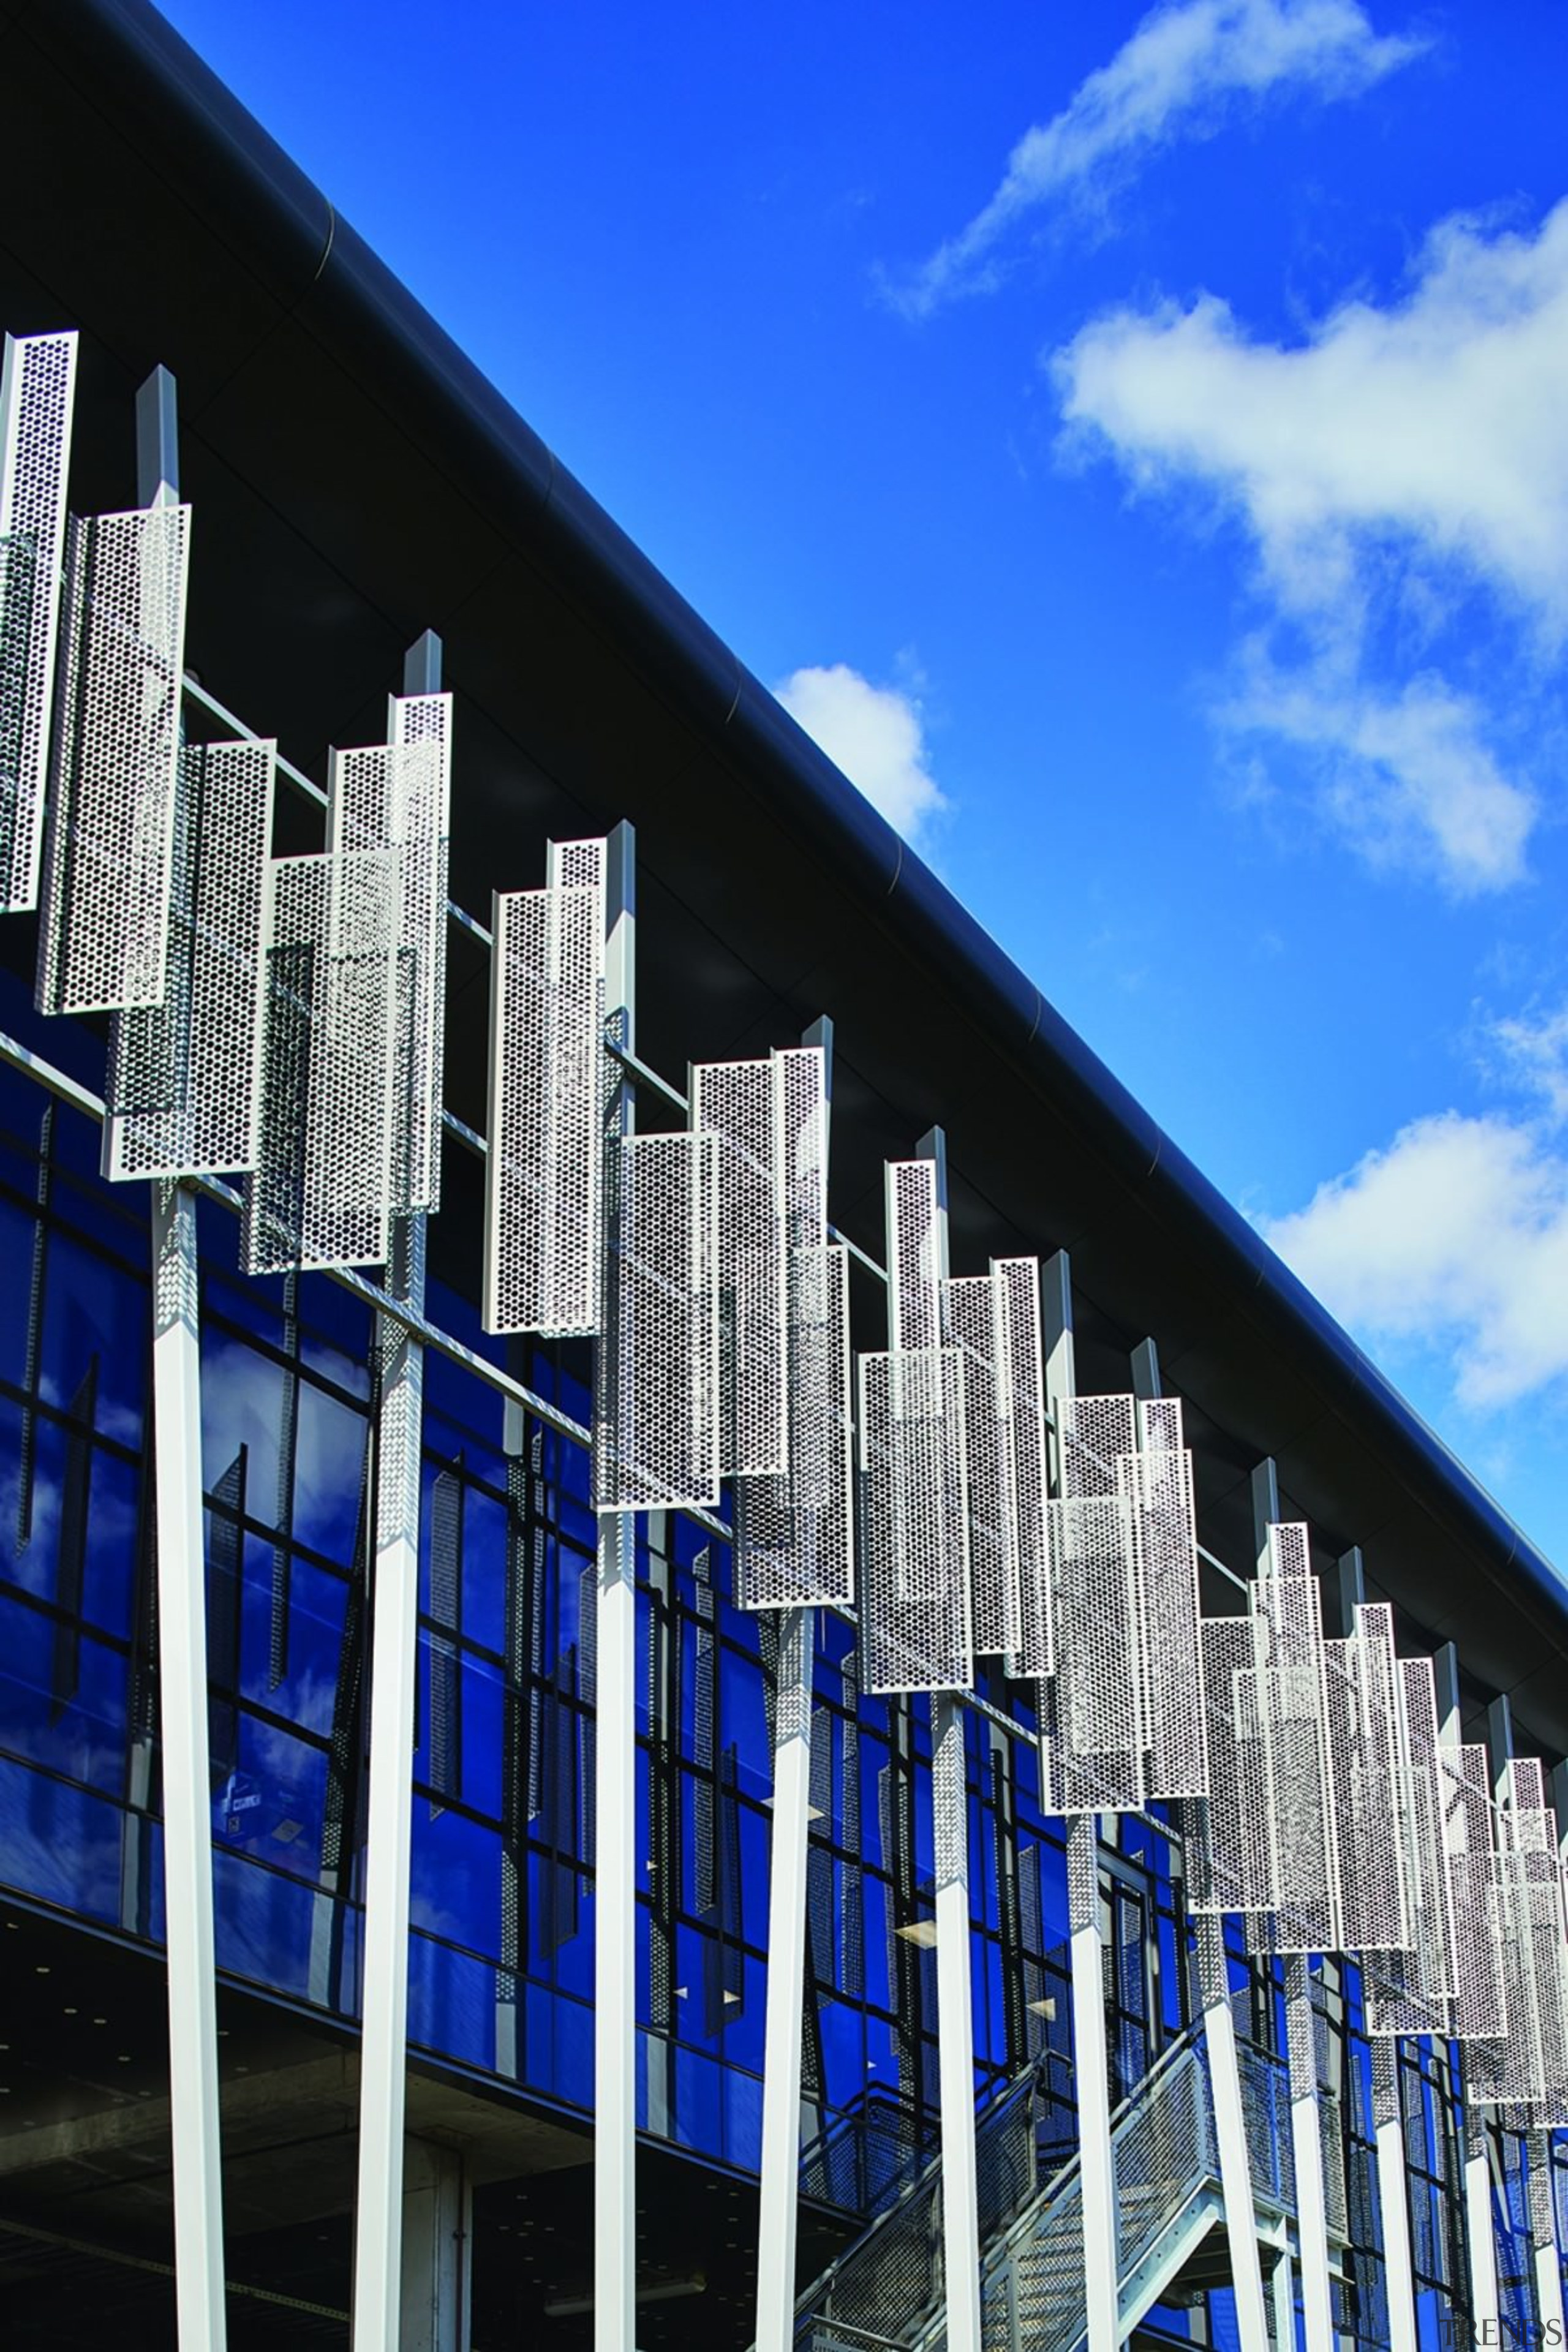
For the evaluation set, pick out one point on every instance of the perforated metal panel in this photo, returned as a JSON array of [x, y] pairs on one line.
[[321, 1190], [184, 1089], [803, 1109], [397, 796], [971, 1315], [1028, 1466], [914, 1533], [1363, 1749], [1301, 1816], [1537, 1987], [1409, 1992], [103, 938], [1093, 1434], [1159, 1482], [794, 1534], [741, 1105], [1479, 2010], [543, 1224], [656, 1405], [1094, 1723], [37, 387], [914, 1256], [1240, 1875]]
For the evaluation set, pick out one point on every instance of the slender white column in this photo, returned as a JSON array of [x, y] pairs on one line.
[[1307, 2152], [1393, 2195], [395, 1602], [955, 2031], [1544, 2239], [1219, 2039], [389, 1811], [615, 1766], [438, 2241], [187, 1783], [1092, 2060], [1282, 2286], [1096, 2170], [780, 2183], [1230, 2128], [1480, 2232]]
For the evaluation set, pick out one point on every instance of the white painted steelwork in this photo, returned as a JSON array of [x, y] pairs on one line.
[[656, 1405], [396, 796], [740, 1106], [103, 936], [187, 1776], [321, 1192], [544, 1172], [37, 393], [184, 1084], [914, 1526]]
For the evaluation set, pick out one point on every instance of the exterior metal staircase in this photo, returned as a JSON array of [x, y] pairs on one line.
[[884, 2292]]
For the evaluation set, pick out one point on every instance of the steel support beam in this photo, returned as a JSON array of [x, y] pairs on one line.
[[183, 1654], [1387, 2107], [779, 2186], [187, 1780], [954, 1999], [389, 1817], [615, 1752], [1091, 2061], [1219, 2038]]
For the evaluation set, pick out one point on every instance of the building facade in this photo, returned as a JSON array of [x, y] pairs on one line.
[[695, 1651]]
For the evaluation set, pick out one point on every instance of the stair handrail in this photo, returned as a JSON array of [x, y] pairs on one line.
[[1001, 2248], [1022, 2087]]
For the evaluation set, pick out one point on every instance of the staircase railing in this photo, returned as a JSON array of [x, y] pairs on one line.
[[1163, 2156], [880, 2287]]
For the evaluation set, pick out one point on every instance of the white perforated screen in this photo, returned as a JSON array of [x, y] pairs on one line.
[[1028, 1467], [741, 1105], [656, 1405], [972, 1313], [1240, 1851], [914, 1535], [103, 938], [794, 1535], [1164, 1543], [1299, 1820], [544, 1172], [1363, 1733], [184, 1089], [37, 385], [914, 1256], [322, 1191]]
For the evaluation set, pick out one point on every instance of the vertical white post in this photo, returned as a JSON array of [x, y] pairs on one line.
[[955, 2029], [1481, 2235], [389, 1813], [1091, 2058], [1230, 2138], [183, 1654], [438, 2241], [1393, 2194], [188, 1779], [1543, 2237], [954, 1999], [779, 2188], [1307, 2152], [615, 1769], [1282, 2289], [780, 2185], [1387, 2107], [1219, 2040]]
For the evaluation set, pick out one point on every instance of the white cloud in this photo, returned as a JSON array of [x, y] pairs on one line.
[[1407, 776], [1453, 1239], [1184, 69], [1391, 468], [875, 733], [1434, 427], [1534, 1049]]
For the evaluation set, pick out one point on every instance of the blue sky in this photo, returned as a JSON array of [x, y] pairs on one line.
[[1137, 444]]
